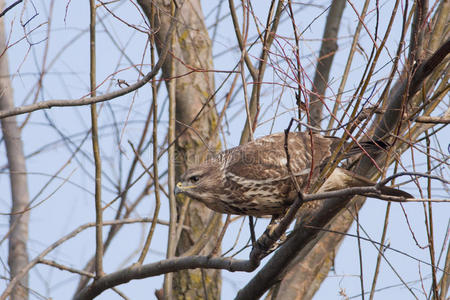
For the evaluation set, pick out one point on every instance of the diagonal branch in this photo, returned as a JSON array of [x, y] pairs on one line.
[[300, 242], [392, 115]]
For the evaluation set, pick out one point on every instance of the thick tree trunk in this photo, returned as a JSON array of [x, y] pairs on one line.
[[308, 270], [18, 235], [194, 107]]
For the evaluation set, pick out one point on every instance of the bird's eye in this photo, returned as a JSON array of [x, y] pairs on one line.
[[194, 178]]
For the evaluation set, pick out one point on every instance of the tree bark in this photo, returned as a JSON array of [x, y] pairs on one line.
[[304, 280], [325, 61], [18, 235], [194, 108], [306, 275], [324, 213]]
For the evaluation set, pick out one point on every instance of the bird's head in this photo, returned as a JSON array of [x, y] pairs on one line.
[[201, 182]]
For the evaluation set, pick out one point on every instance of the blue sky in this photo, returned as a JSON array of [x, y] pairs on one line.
[[67, 201]]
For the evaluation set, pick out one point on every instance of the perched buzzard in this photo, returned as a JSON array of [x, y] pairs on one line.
[[253, 179]]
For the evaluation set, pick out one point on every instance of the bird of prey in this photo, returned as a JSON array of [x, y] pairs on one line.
[[253, 179]]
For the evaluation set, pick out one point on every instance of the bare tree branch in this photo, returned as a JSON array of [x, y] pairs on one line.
[[19, 218], [163, 267], [300, 241], [192, 97], [85, 101], [432, 120], [272, 23], [325, 61], [392, 115], [24, 271], [123, 194], [95, 144]]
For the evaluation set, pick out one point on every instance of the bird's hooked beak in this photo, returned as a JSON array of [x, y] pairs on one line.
[[179, 188]]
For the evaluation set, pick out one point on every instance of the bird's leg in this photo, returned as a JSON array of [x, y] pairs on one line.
[[273, 235], [274, 222], [252, 230], [270, 240]]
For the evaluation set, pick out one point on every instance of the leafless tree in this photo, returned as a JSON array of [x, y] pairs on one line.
[[151, 88]]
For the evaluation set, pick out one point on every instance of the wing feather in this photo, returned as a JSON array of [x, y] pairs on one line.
[[265, 158]]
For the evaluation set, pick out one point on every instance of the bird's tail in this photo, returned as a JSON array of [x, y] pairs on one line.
[[342, 178], [385, 190], [368, 147]]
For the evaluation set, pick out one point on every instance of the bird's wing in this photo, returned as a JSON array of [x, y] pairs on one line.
[[265, 158]]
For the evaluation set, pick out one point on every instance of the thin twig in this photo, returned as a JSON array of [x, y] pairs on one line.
[[116, 290], [10, 7], [383, 237], [348, 64], [417, 174], [220, 238], [432, 120], [155, 146], [65, 268], [358, 238], [62, 240], [86, 101], [96, 148], [205, 236], [445, 282], [242, 46], [429, 222], [171, 235], [379, 255]]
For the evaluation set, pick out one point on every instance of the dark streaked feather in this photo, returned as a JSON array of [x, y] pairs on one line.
[[253, 179]]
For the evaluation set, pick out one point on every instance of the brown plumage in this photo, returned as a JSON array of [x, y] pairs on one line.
[[253, 179]]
